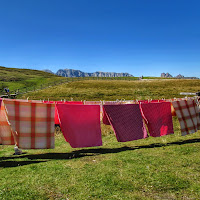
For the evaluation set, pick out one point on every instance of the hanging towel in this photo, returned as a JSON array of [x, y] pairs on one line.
[[74, 102], [6, 136], [104, 116], [187, 113], [57, 121], [126, 121], [32, 123], [198, 104], [158, 118], [100, 103], [80, 124]]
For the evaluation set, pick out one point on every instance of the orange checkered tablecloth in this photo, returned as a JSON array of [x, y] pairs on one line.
[[6, 136], [32, 123], [188, 115]]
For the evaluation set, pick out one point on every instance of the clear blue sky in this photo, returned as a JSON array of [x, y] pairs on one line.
[[141, 37]]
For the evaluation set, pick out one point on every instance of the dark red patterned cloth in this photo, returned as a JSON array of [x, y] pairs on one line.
[[158, 118], [126, 121]]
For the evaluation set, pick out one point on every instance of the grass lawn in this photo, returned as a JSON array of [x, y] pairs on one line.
[[154, 168], [112, 90]]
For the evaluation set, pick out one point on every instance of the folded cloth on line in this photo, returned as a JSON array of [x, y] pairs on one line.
[[126, 121], [188, 116], [80, 124], [32, 123], [158, 118], [6, 136]]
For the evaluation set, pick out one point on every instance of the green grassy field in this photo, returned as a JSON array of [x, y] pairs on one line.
[[154, 168], [117, 89]]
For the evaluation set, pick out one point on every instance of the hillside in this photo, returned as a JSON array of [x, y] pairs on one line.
[[117, 89], [15, 78]]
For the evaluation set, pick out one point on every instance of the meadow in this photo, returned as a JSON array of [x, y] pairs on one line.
[[154, 168], [111, 90]]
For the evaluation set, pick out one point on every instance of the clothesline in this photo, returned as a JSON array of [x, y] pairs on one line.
[[29, 124]]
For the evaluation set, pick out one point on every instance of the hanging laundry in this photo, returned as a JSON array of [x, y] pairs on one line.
[[32, 123], [74, 102], [158, 118], [80, 124], [6, 136], [188, 116], [104, 116], [57, 121], [126, 121], [100, 103], [198, 104]]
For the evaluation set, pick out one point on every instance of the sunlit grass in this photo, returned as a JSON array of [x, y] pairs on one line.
[[112, 90], [154, 168]]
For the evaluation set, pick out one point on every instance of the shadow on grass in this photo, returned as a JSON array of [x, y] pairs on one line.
[[6, 164], [83, 153]]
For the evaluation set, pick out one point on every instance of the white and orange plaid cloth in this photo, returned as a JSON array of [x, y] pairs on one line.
[[198, 103], [32, 123], [6, 136], [188, 115]]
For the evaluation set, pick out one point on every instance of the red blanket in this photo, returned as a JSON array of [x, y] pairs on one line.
[[80, 124], [158, 118]]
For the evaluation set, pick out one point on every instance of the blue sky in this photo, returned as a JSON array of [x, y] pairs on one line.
[[141, 37]]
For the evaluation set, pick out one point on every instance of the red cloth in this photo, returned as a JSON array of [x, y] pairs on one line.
[[158, 118], [126, 121], [74, 102], [80, 124], [57, 121], [105, 118]]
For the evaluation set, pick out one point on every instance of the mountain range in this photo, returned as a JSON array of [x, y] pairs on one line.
[[167, 75], [78, 73]]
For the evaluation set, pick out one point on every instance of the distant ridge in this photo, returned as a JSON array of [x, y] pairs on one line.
[[47, 70], [78, 73], [167, 75]]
